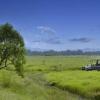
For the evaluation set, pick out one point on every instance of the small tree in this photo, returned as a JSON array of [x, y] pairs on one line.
[[11, 48]]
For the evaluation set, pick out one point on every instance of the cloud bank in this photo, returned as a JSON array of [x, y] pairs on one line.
[[46, 35], [82, 40]]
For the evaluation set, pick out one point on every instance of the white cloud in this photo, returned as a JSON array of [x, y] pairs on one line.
[[46, 35], [45, 29]]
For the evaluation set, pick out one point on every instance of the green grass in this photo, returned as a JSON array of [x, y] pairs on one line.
[[80, 82], [41, 71], [65, 73], [32, 87], [58, 63]]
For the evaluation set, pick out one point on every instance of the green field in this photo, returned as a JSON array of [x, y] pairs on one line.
[[51, 78], [80, 82]]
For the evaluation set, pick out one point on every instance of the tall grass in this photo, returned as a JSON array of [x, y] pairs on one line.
[[57, 63], [6, 78], [61, 70], [32, 87], [80, 82]]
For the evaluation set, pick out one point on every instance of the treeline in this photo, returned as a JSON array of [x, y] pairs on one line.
[[57, 53]]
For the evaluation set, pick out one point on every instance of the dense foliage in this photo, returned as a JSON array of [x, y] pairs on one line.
[[11, 48]]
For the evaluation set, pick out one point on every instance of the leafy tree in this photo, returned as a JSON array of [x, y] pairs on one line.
[[11, 48]]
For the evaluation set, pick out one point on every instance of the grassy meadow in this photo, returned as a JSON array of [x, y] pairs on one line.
[[51, 78], [80, 82]]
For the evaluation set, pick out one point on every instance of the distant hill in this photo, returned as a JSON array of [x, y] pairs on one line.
[[66, 52]]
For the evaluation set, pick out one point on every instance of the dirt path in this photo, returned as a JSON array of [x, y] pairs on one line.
[[53, 93]]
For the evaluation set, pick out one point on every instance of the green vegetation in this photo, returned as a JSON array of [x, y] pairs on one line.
[[11, 48], [80, 82], [56, 63], [31, 87], [65, 73], [51, 78]]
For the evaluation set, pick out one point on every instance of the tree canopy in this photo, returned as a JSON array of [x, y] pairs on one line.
[[11, 48]]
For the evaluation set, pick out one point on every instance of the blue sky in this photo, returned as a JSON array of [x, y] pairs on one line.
[[54, 24]]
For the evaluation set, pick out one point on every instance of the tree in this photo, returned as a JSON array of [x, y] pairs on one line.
[[11, 48]]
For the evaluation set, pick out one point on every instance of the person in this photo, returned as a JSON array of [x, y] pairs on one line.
[[97, 63]]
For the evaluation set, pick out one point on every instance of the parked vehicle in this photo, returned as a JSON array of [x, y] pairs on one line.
[[90, 67]]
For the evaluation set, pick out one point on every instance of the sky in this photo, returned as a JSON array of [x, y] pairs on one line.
[[54, 24]]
